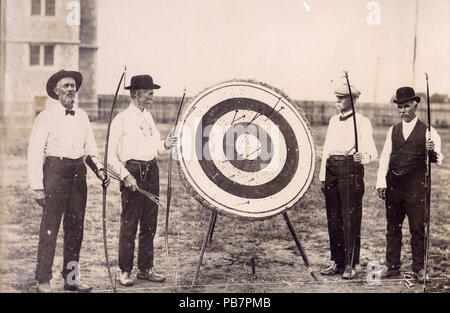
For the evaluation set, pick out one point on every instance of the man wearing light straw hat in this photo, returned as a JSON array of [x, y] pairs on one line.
[[342, 177]]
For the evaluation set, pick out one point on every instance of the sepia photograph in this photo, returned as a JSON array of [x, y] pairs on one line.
[[247, 147]]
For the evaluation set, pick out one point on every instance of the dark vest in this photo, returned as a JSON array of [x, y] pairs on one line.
[[408, 155]]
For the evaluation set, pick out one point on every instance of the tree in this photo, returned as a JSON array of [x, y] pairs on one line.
[[439, 98]]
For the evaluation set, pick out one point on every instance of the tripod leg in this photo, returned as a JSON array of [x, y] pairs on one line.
[[212, 230], [202, 252], [299, 246]]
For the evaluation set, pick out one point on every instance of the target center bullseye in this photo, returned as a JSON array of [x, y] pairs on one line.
[[248, 146]]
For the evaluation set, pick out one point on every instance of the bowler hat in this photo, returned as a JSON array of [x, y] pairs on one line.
[[55, 78], [405, 94], [142, 82], [342, 90]]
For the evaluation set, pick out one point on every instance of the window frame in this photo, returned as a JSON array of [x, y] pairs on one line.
[[48, 48], [36, 5], [49, 12], [33, 53]]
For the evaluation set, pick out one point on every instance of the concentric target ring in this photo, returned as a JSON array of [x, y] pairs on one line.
[[245, 149]]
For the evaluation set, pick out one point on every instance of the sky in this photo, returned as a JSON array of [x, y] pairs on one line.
[[300, 47]]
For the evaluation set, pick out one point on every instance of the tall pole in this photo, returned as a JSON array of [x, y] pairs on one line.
[[376, 81], [415, 46], [428, 191]]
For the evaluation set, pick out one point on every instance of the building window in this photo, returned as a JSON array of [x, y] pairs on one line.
[[49, 55], [50, 7], [48, 58], [35, 54], [35, 7]]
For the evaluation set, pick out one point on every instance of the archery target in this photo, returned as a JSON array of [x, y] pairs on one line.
[[245, 149]]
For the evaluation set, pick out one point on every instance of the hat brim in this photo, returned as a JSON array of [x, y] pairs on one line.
[[355, 95], [55, 78], [154, 86], [417, 98]]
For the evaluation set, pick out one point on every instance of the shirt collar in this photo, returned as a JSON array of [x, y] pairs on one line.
[[135, 110], [346, 113], [410, 124], [58, 107]]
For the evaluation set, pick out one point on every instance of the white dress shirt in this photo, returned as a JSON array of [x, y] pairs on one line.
[[56, 134], [387, 149], [133, 136], [340, 139]]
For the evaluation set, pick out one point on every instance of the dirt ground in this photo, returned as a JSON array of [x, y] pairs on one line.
[[225, 268]]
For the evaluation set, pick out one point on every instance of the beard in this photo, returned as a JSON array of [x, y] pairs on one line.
[[67, 100]]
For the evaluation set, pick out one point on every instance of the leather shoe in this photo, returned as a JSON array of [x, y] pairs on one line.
[[334, 269], [76, 286], [150, 275], [349, 272], [387, 272], [125, 279], [44, 288], [420, 276]]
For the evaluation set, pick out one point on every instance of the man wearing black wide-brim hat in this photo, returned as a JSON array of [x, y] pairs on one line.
[[401, 182], [60, 140], [134, 146]]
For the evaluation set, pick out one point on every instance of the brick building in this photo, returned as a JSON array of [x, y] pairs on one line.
[[38, 38]]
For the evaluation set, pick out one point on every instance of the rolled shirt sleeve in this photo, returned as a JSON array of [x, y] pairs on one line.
[[36, 152], [367, 145], [383, 164], [114, 148], [437, 144], [90, 147]]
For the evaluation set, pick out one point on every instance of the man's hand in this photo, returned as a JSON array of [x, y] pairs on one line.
[[130, 182], [40, 197], [322, 187], [358, 157], [170, 141], [382, 193], [103, 177], [430, 145]]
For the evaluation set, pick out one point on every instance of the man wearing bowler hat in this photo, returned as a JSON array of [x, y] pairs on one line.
[[342, 177], [134, 145], [60, 140], [401, 182]]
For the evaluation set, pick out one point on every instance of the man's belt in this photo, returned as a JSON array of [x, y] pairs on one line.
[[68, 160], [141, 163], [144, 166], [341, 157]]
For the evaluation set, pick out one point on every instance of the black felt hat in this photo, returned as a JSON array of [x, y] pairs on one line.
[[142, 82], [55, 78], [405, 94]]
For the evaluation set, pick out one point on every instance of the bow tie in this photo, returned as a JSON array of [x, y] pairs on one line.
[[343, 118], [71, 112]]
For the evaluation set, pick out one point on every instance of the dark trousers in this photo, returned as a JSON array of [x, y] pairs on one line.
[[138, 209], [65, 195], [405, 196], [344, 190]]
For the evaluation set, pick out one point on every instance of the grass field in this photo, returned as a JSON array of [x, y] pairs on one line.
[[279, 267]]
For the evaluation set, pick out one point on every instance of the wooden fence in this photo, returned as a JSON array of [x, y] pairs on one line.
[[164, 110]]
